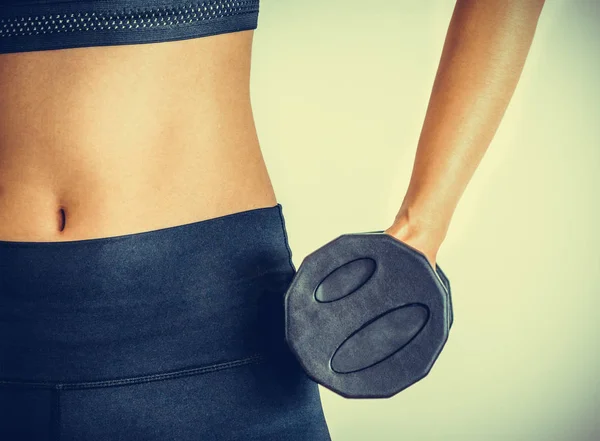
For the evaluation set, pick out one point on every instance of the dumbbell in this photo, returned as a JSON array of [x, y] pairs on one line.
[[366, 315]]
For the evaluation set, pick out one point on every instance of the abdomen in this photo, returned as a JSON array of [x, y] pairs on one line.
[[104, 141]]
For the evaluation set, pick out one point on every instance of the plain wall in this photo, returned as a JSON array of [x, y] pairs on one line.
[[339, 91]]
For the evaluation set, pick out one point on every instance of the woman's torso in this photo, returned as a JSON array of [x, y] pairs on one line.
[[127, 138]]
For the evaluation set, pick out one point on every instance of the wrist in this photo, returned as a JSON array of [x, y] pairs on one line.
[[416, 223], [419, 231], [418, 239]]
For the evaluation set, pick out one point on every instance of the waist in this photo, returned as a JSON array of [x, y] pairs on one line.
[[117, 193], [111, 180], [105, 141], [192, 295]]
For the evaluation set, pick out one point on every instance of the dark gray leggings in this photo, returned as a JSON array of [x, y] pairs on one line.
[[172, 334]]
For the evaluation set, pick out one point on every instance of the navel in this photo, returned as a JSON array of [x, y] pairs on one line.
[[62, 219]]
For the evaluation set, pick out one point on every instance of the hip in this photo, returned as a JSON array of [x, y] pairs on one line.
[[177, 332], [135, 306]]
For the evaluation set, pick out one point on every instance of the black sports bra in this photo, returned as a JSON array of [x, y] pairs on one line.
[[34, 25]]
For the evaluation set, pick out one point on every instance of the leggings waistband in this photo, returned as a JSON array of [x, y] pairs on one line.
[[182, 297]]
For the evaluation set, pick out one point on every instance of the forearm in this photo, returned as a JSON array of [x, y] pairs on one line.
[[483, 55]]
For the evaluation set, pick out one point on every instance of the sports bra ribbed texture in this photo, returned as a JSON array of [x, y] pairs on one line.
[[34, 25]]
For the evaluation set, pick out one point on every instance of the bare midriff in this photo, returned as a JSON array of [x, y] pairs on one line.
[[113, 140]]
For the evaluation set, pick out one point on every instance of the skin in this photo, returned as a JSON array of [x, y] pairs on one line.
[[482, 59], [110, 140]]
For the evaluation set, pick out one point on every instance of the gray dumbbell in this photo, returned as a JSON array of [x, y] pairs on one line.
[[366, 315]]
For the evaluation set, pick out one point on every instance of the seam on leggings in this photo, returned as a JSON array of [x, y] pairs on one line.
[[257, 358], [285, 238]]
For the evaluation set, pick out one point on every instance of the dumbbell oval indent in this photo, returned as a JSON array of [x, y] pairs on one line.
[[345, 280], [380, 338]]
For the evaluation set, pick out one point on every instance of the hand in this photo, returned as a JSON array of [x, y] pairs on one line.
[[423, 239]]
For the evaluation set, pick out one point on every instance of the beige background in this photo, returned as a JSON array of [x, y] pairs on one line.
[[340, 90]]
